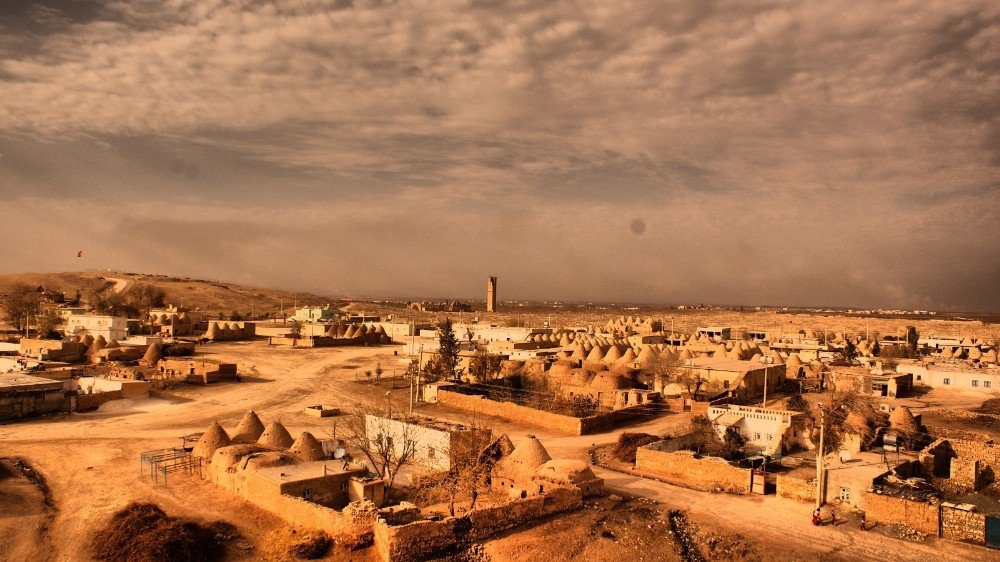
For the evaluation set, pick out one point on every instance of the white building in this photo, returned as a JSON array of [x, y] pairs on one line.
[[772, 431], [111, 327], [431, 441], [315, 314]]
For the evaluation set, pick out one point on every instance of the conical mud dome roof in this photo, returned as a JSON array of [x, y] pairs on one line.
[[211, 440], [307, 448], [276, 436], [250, 428]]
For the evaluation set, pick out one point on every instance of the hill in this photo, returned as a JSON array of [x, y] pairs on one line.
[[195, 294]]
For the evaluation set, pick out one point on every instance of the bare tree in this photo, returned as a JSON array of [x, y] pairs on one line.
[[469, 467], [485, 366], [388, 444], [670, 370], [21, 303]]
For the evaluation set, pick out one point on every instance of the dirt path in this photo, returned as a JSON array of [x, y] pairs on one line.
[[91, 460], [120, 284]]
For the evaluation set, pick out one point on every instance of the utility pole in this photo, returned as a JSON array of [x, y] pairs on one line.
[[820, 458], [765, 360], [420, 366]]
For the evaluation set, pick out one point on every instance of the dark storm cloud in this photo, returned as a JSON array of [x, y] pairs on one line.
[[842, 153]]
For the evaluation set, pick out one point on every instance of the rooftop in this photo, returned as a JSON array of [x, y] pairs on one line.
[[26, 383], [306, 470]]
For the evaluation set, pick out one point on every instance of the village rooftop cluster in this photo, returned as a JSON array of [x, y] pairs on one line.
[[442, 429]]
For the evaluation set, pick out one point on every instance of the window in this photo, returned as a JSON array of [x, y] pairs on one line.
[[431, 452], [756, 436], [975, 384], [725, 384], [343, 486], [919, 377], [986, 384], [845, 494], [947, 381]]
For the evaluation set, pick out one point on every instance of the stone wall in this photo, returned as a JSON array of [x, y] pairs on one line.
[[891, 510], [424, 539], [88, 402], [683, 468], [961, 525], [540, 418], [351, 525], [798, 489], [975, 463]]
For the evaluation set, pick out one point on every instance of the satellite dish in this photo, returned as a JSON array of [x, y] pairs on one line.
[[339, 453]]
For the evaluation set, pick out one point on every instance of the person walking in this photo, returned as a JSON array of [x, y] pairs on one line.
[[864, 523], [816, 520]]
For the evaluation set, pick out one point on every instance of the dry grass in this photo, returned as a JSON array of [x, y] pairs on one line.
[[628, 443], [142, 532]]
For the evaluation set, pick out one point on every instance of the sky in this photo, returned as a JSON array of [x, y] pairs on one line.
[[835, 153]]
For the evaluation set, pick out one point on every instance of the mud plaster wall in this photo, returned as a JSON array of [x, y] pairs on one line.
[[684, 469]]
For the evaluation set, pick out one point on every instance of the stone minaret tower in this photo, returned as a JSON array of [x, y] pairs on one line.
[[491, 294]]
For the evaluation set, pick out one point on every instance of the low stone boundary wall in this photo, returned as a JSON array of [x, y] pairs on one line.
[[683, 468], [421, 540], [962, 525], [798, 489], [540, 418], [891, 510], [89, 402]]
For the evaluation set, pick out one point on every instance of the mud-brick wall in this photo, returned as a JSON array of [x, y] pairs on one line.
[[684, 469], [798, 489], [88, 402], [959, 525], [510, 411], [890, 510]]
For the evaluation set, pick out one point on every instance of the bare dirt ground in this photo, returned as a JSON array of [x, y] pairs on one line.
[[90, 462], [613, 531], [26, 511]]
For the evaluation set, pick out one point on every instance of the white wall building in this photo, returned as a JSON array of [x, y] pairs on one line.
[[111, 327], [772, 431]]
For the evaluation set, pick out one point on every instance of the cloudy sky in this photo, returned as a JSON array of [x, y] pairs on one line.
[[836, 152]]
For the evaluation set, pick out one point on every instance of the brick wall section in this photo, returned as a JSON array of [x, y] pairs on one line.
[[88, 402], [973, 458], [684, 469], [890, 510], [959, 525], [540, 418], [421, 540], [798, 489], [510, 411]]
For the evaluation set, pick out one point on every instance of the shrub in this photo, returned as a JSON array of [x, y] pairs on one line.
[[628, 443]]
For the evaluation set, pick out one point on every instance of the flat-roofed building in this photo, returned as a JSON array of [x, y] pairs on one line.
[[770, 430], [111, 327], [717, 333], [740, 379], [23, 395], [435, 442]]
